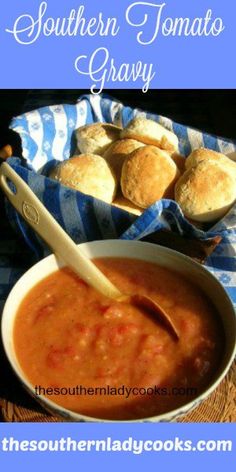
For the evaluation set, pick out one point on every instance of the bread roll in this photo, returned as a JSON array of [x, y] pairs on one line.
[[122, 202], [118, 151], [206, 192], [95, 139], [151, 132], [179, 161], [202, 154], [89, 174], [148, 174]]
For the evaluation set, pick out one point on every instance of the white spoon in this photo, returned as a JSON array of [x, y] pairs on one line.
[[39, 218]]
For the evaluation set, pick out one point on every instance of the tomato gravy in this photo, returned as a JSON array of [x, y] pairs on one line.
[[66, 334]]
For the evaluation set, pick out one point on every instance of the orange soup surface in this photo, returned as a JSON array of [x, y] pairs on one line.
[[113, 360]]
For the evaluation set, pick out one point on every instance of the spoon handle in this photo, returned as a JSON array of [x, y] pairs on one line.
[[38, 217]]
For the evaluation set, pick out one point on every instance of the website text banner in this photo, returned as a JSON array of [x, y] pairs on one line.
[[65, 446], [117, 44]]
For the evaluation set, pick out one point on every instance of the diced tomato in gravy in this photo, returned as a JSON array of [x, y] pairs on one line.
[[67, 334]]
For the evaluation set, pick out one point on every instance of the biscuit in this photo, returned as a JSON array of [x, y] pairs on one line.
[[206, 155], [148, 174], [89, 174], [96, 138], [150, 132], [179, 161], [206, 192], [122, 202], [117, 153]]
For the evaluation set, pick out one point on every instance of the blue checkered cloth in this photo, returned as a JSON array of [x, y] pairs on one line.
[[47, 136]]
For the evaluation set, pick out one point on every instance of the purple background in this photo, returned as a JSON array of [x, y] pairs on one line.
[[116, 461], [179, 62]]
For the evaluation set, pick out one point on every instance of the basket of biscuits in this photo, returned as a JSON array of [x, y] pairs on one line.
[[107, 171]]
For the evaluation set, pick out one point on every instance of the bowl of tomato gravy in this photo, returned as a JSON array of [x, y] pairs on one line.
[[85, 357]]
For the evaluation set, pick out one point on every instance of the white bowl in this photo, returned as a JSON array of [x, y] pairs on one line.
[[131, 249]]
